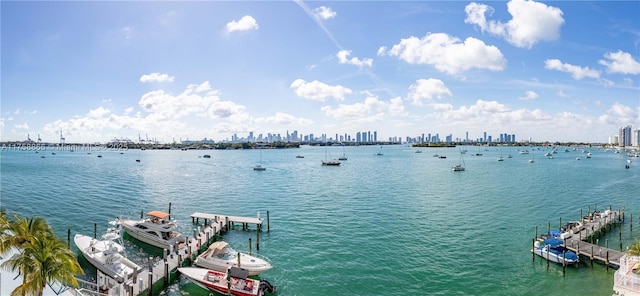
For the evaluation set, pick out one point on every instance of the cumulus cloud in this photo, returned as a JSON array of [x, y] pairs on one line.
[[531, 22], [23, 126], [577, 72], [370, 110], [316, 90], [448, 54], [493, 112], [197, 99], [156, 77], [427, 89], [529, 96], [620, 62], [285, 119], [343, 58], [245, 23], [324, 13]]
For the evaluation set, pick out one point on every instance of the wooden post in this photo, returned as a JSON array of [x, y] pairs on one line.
[[249, 246], [268, 224], [166, 272], [227, 222], [536, 234], [150, 280], [591, 256], [631, 223], [69, 238], [134, 277], [169, 211], [193, 220], [589, 213], [581, 217], [239, 259], [564, 263], [533, 249], [560, 226], [141, 214], [257, 240], [95, 230], [607, 261], [209, 238], [548, 258], [606, 243], [548, 227]]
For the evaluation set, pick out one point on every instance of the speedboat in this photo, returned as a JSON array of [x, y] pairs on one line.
[[457, 168], [220, 256], [106, 255], [157, 230], [553, 250], [234, 281]]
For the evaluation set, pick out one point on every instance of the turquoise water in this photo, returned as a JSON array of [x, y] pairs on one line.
[[398, 224]]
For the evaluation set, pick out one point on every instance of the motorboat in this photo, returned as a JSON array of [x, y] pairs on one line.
[[106, 255], [259, 167], [157, 230], [457, 168], [220, 256], [233, 281], [553, 250]]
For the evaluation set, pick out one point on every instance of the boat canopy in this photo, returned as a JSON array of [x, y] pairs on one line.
[[554, 242], [218, 246], [237, 272], [158, 214]]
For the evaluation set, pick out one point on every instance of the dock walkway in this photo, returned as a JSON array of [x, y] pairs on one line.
[[159, 272]]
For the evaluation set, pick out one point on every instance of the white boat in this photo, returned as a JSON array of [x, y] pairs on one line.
[[234, 281], [344, 155], [106, 255], [553, 250], [156, 230], [259, 167], [220, 256], [459, 167]]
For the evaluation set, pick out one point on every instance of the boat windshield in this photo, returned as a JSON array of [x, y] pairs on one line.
[[227, 253]]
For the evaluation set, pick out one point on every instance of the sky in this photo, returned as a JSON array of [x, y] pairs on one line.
[[177, 70]]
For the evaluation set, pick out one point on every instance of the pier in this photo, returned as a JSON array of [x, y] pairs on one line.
[[580, 239], [157, 273]]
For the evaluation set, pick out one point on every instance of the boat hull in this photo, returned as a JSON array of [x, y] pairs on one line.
[[254, 265], [554, 257], [219, 282], [103, 254], [143, 236]]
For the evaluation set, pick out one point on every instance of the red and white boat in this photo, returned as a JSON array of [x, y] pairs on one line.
[[234, 281]]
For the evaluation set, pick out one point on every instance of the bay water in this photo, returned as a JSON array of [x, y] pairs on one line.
[[401, 223]]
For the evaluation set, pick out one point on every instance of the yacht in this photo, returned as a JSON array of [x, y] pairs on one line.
[[157, 230]]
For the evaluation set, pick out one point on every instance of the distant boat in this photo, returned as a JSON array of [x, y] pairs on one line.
[[531, 160], [379, 153], [328, 162], [299, 156], [99, 156], [500, 158], [344, 155], [206, 156], [459, 167], [259, 167], [418, 151]]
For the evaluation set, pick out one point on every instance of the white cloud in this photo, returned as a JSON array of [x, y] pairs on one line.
[[343, 59], [448, 54], [98, 112], [531, 22], [529, 96], [427, 89], [316, 90], [285, 119], [620, 62], [156, 77], [396, 106], [324, 13], [24, 126], [128, 110], [577, 72], [245, 23], [562, 94], [493, 112]]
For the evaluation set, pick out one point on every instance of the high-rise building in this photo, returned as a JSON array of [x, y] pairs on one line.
[[635, 138], [624, 136]]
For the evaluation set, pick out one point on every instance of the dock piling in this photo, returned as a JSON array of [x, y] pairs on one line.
[[69, 238], [249, 246], [268, 223], [95, 230]]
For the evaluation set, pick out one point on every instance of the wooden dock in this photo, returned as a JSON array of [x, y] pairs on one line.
[[159, 272], [582, 238]]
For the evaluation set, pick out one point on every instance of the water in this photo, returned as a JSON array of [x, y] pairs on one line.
[[398, 224]]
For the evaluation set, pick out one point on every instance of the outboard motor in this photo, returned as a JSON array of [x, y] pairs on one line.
[[267, 286]]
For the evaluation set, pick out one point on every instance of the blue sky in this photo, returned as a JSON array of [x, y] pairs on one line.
[[555, 71]]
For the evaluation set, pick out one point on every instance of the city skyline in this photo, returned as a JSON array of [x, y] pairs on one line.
[[94, 71]]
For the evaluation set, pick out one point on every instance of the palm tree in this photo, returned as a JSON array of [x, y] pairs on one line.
[[4, 228], [43, 258], [634, 250]]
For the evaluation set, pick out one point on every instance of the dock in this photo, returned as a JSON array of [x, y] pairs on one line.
[[158, 273], [584, 240]]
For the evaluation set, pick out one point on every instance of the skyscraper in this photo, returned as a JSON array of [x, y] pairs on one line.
[[624, 136]]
